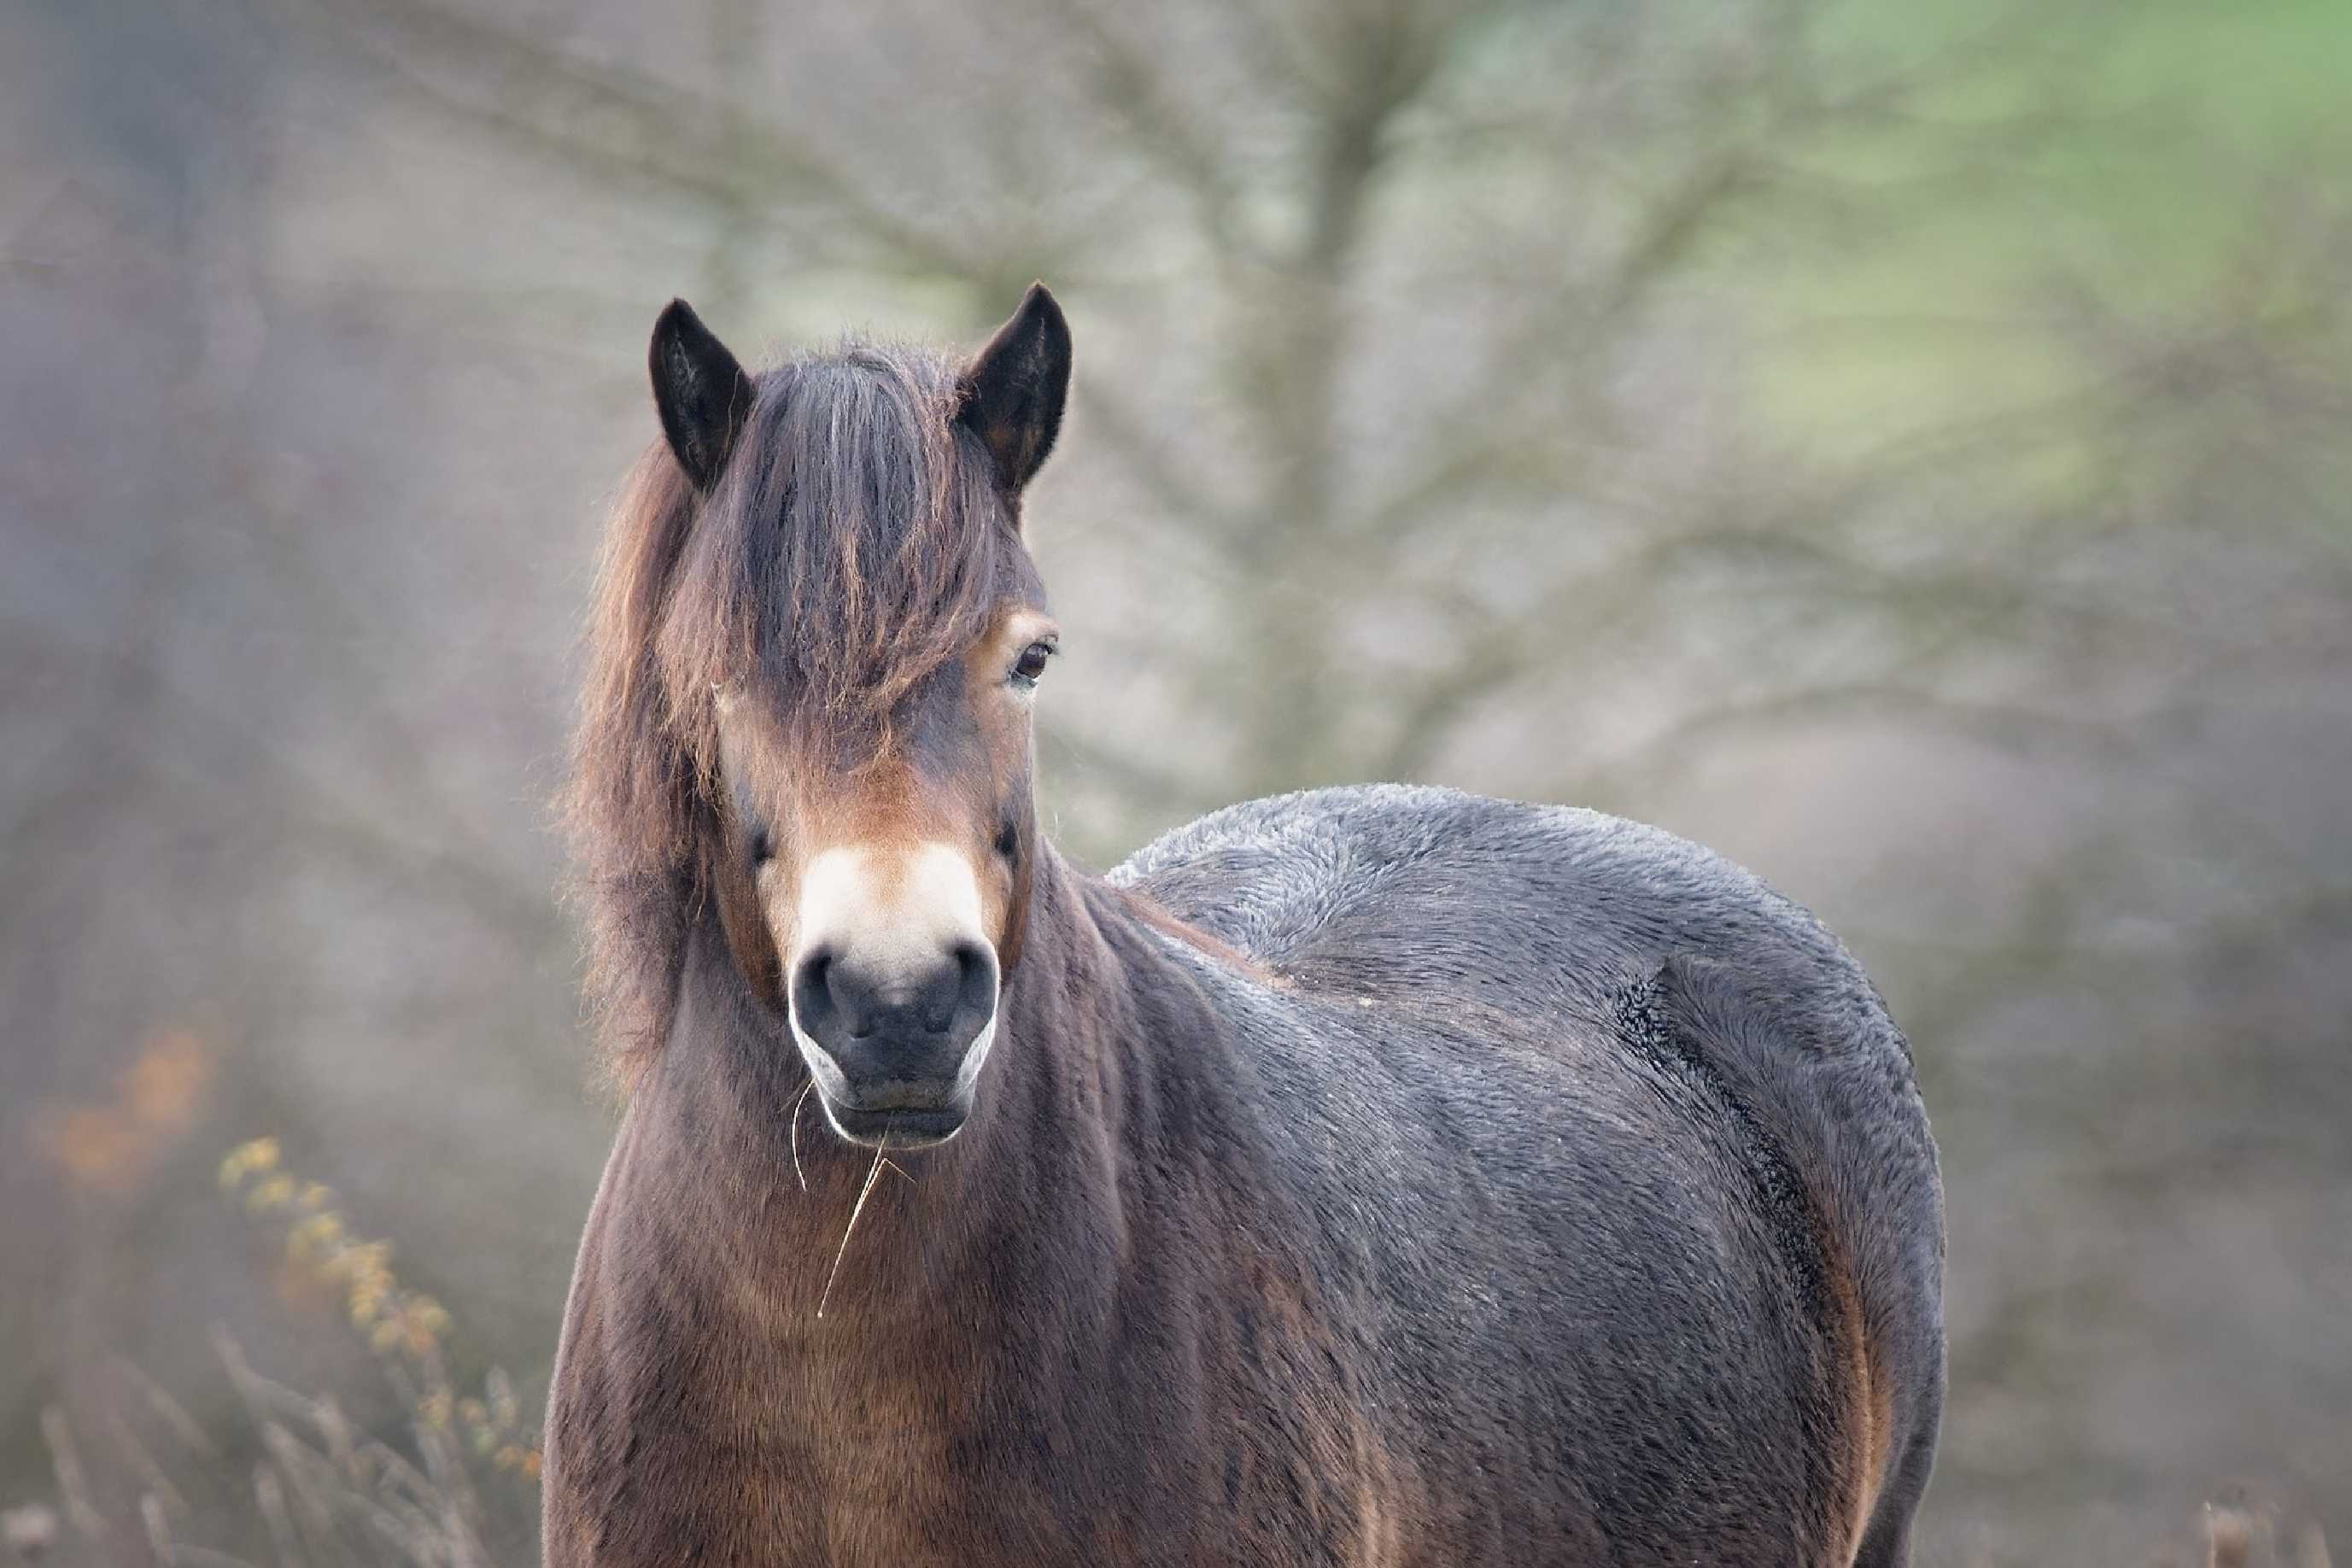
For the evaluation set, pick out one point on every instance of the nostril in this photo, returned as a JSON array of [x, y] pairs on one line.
[[975, 976], [812, 990]]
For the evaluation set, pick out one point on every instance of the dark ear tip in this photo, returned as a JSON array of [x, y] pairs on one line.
[[1039, 300]]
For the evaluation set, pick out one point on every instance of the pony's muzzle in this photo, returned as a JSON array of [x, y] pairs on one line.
[[896, 1055]]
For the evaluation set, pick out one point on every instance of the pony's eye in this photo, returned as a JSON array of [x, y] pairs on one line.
[[1032, 663]]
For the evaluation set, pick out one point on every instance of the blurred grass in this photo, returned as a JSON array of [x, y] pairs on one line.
[[451, 1483]]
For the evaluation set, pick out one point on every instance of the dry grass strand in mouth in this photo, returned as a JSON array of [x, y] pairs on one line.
[[799, 1100], [873, 1175]]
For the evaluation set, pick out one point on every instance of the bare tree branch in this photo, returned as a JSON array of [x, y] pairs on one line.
[[626, 122]]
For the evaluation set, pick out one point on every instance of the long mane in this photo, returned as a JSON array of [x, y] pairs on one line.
[[854, 545]]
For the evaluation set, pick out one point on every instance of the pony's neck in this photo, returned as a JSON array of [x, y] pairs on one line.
[[1090, 1037]]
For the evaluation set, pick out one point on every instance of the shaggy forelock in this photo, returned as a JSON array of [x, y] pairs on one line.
[[847, 553]]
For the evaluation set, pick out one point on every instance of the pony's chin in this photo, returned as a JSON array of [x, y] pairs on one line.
[[901, 1129]]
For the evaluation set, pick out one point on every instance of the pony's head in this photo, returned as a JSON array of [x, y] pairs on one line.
[[818, 639]]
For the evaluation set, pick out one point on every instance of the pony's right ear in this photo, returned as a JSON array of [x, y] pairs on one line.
[[702, 394]]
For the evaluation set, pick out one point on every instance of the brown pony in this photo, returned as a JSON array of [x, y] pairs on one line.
[[1370, 1176]]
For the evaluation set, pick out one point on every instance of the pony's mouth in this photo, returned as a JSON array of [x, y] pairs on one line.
[[896, 1102], [907, 1128]]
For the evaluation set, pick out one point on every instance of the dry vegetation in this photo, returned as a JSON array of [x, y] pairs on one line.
[[449, 1481]]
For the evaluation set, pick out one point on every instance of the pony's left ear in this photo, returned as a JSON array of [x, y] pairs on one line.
[[1013, 392], [702, 394]]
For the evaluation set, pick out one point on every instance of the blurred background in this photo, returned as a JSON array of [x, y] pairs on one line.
[[1906, 447]]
